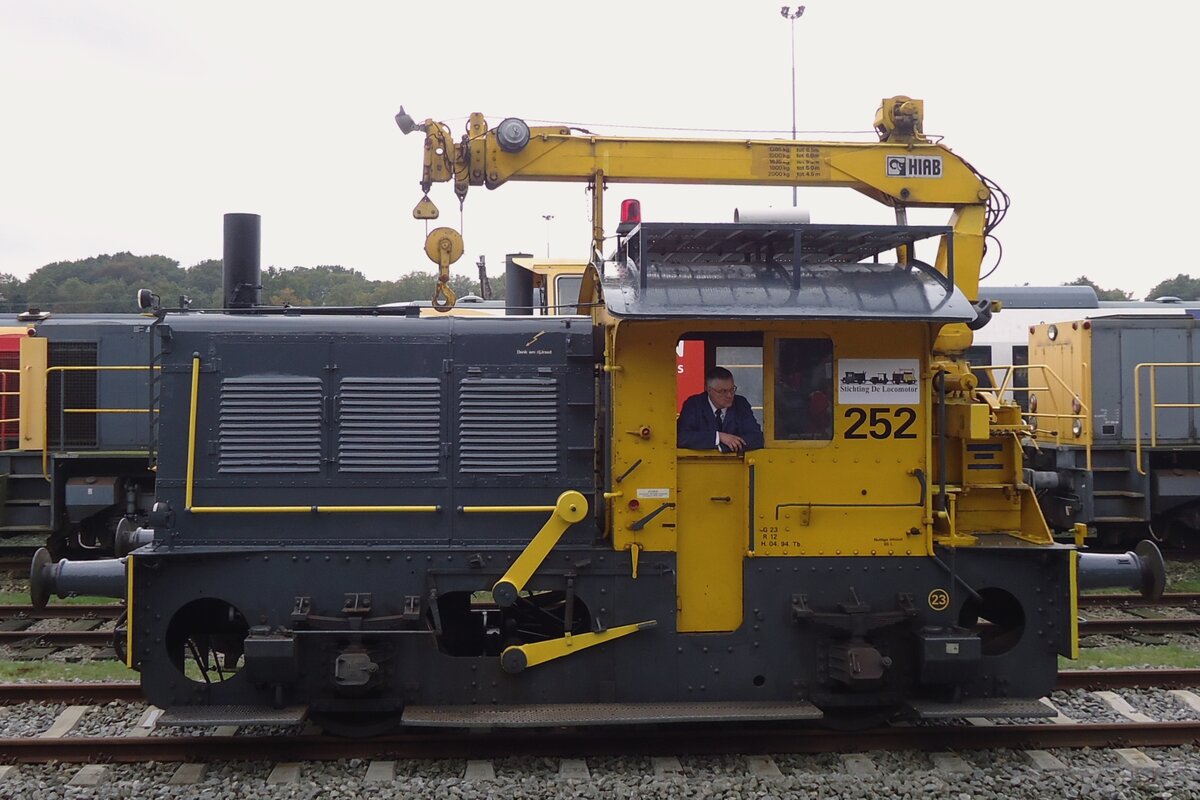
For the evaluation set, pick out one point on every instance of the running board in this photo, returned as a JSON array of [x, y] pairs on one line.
[[534, 716], [998, 707], [207, 716]]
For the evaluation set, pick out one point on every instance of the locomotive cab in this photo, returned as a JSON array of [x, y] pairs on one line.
[[833, 518]]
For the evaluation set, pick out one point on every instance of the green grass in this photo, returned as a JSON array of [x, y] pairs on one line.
[[1126, 656], [1183, 576], [58, 671]]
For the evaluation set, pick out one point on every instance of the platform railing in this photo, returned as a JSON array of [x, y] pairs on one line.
[[1078, 421], [8, 378], [62, 412], [1151, 368]]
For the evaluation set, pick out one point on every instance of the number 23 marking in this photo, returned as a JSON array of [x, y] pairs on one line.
[[880, 425]]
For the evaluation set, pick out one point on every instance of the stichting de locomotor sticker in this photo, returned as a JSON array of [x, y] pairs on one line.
[[878, 381]]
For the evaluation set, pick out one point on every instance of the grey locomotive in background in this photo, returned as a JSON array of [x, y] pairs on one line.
[[76, 468]]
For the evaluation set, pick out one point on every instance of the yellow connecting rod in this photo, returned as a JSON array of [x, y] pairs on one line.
[[570, 508], [516, 658]]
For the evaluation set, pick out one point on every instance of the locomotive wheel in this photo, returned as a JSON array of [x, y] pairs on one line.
[[356, 724]]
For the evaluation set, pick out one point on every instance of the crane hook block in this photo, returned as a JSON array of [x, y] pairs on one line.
[[425, 209], [444, 246]]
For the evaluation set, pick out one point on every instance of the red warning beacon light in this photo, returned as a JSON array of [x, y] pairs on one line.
[[631, 216]]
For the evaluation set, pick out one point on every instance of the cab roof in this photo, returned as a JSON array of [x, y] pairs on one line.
[[764, 271]]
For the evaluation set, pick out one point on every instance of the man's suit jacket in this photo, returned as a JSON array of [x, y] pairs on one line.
[[697, 426]]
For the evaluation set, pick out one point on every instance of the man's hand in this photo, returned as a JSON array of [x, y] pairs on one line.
[[731, 442]]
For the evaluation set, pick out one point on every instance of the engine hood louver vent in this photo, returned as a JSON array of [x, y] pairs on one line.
[[390, 425], [270, 424], [508, 425]]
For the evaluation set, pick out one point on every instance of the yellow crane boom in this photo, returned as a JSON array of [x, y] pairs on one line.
[[904, 169]]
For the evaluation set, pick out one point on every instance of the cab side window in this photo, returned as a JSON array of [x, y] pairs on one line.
[[803, 389], [566, 293], [746, 364]]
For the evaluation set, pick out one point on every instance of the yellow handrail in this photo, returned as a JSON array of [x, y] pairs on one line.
[[1154, 404], [502, 509], [4, 375], [1083, 416], [46, 393], [312, 509], [192, 404]]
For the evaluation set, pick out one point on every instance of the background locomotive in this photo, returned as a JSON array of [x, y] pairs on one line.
[[75, 463], [479, 521], [1130, 465]]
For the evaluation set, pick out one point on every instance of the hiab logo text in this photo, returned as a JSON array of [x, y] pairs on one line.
[[914, 166]]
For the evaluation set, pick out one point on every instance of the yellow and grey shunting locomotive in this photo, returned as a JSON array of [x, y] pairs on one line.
[[378, 519]]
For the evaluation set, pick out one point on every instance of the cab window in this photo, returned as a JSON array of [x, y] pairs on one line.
[[566, 293], [803, 402], [745, 362], [741, 354]]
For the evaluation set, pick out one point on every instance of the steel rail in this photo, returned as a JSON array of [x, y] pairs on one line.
[[1168, 600], [1089, 627], [1127, 679], [15, 564], [591, 742], [91, 693], [98, 693], [56, 638], [81, 611]]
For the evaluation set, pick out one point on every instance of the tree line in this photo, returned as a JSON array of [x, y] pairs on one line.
[[109, 283], [1182, 286]]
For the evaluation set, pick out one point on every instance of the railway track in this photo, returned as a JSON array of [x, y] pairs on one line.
[[80, 611], [15, 565], [99, 693], [1169, 600], [52, 639], [1093, 627], [310, 745], [592, 742]]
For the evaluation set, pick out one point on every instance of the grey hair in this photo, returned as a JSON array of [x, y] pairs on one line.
[[717, 374]]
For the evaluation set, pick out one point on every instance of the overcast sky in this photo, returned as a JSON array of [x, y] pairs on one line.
[[136, 125]]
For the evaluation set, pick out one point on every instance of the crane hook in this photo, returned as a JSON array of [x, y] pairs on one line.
[[444, 246]]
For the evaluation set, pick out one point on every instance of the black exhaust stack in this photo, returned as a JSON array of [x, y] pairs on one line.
[[243, 255], [518, 287]]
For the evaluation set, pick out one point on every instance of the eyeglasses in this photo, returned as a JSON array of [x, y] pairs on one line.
[[731, 390]]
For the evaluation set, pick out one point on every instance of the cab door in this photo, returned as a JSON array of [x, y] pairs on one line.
[[711, 544]]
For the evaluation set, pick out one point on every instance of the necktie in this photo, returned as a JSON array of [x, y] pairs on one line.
[[720, 419]]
